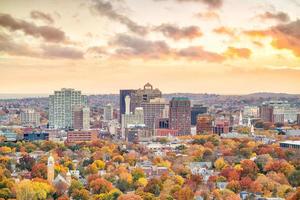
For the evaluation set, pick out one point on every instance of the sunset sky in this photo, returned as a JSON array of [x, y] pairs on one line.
[[101, 46]]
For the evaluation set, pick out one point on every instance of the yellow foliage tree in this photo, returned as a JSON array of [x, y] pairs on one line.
[[220, 163]]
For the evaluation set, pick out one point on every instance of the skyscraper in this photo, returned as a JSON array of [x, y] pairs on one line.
[[180, 115], [144, 96], [123, 94], [155, 109], [196, 110], [61, 106], [108, 112], [81, 117], [266, 113]]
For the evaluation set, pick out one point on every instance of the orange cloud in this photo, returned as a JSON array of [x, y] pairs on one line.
[[209, 15], [225, 31], [233, 52], [286, 36]]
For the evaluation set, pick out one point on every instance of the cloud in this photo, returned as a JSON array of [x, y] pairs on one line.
[[233, 52], [48, 33], [224, 31], [13, 48], [178, 33], [105, 8], [137, 47], [285, 36], [209, 15], [210, 3], [97, 50], [8, 46], [57, 51], [35, 14], [198, 53], [279, 16]]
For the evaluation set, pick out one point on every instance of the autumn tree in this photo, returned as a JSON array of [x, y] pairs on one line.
[[39, 170]]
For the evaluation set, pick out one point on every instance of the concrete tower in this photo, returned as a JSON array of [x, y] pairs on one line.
[[127, 105], [50, 169]]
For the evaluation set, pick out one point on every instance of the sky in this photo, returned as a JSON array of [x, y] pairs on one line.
[[101, 46]]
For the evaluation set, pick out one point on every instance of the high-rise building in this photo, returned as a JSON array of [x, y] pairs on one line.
[[266, 113], [123, 94], [196, 110], [180, 115], [144, 96], [155, 109], [81, 117], [61, 106], [108, 112], [30, 117], [204, 124]]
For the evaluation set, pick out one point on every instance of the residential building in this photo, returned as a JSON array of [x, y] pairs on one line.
[[180, 115], [61, 106], [29, 117]]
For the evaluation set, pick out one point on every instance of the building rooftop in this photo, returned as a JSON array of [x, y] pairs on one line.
[[297, 142], [180, 99]]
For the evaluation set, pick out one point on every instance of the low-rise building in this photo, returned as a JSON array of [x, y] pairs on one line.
[[82, 136], [290, 144]]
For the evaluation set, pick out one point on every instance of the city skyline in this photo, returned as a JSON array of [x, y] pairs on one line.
[[194, 46]]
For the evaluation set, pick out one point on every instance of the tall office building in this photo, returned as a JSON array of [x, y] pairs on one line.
[[123, 94], [30, 117], [81, 118], [196, 110], [180, 115], [144, 96], [154, 110], [108, 112], [61, 106], [266, 113]]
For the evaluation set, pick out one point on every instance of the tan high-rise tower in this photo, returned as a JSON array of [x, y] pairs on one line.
[[50, 169]]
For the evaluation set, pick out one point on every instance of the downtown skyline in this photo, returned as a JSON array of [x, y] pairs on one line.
[[197, 46]]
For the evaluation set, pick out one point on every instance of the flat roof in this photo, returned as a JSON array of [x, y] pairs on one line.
[[297, 142]]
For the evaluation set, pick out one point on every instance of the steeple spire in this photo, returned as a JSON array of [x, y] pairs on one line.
[[241, 119]]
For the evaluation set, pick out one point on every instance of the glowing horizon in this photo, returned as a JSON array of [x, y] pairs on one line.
[[192, 46]]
